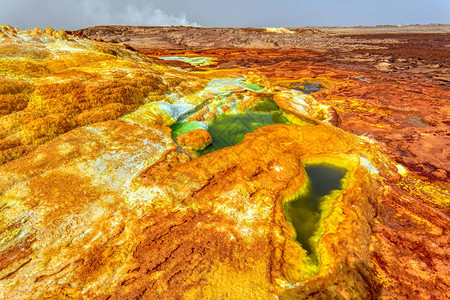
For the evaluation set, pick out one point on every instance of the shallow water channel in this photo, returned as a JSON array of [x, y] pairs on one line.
[[304, 211]]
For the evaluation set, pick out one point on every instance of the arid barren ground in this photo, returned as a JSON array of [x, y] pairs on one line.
[[105, 191]]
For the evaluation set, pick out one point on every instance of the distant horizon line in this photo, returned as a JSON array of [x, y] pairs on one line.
[[308, 26]]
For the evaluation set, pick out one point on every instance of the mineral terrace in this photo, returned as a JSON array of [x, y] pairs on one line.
[[198, 163]]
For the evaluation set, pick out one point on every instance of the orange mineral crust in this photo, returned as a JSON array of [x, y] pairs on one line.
[[197, 139], [108, 191], [213, 226]]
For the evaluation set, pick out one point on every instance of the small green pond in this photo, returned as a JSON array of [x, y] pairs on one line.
[[304, 211], [229, 129]]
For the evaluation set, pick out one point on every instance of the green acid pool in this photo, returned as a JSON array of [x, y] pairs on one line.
[[229, 129], [304, 212]]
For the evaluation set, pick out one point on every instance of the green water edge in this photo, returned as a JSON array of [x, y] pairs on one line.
[[179, 128], [229, 129], [305, 211], [253, 86]]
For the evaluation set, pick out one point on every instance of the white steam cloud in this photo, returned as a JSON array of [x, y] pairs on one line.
[[110, 13], [71, 15]]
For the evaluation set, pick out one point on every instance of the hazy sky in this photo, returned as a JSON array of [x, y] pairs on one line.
[[65, 14]]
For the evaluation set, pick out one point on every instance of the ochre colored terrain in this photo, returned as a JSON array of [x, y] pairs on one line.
[[52, 84], [197, 139], [97, 200]]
